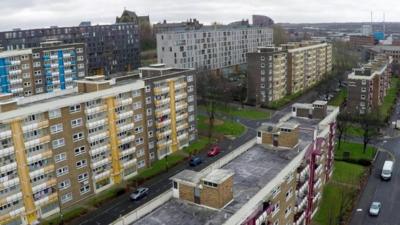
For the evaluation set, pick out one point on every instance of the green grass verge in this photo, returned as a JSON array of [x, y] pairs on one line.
[[68, 215], [339, 98], [196, 146], [245, 113], [341, 189], [160, 166], [227, 128], [356, 151], [347, 172]]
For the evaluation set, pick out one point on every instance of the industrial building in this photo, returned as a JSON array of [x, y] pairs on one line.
[[278, 178], [62, 147], [51, 67]]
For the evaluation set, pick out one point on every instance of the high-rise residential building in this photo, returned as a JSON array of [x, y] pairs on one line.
[[213, 47], [276, 178], [266, 75], [308, 63], [59, 148], [273, 72], [51, 67], [110, 48], [389, 50], [368, 85]]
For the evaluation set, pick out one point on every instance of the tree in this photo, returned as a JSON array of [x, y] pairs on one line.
[[147, 39], [342, 125], [370, 124], [279, 36], [210, 91]]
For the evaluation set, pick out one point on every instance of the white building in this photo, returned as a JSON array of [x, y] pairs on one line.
[[366, 29], [211, 47]]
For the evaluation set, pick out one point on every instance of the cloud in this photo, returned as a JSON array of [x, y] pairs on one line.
[[44, 13]]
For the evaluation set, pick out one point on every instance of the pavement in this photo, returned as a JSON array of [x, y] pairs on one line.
[[386, 192]]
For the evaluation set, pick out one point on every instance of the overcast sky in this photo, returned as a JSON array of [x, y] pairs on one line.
[[44, 13]]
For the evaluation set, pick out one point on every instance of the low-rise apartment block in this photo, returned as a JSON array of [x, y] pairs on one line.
[[51, 67], [368, 85], [273, 72], [62, 147], [278, 178], [211, 47]]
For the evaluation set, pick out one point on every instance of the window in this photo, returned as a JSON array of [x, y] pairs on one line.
[[191, 118], [190, 88], [148, 112], [137, 117], [210, 184], [66, 198], [148, 89], [148, 100], [149, 123], [64, 184], [81, 66], [77, 136], [56, 128], [363, 82], [362, 97], [76, 122], [140, 152], [259, 134], [36, 64], [81, 163], [139, 141], [152, 156], [190, 78], [150, 134], [175, 184], [363, 89], [83, 177], [151, 144], [141, 164], [79, 50], [190, 98], [191, 108], [138, 130], [137, 105], [85, 189], [54, 114], [288, 210], [79, 150], [58, 143], [62, 171], [288, 194], [75, 108], [60, 157], [136, 93]]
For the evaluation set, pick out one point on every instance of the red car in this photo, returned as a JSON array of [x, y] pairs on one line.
[[214, 151]]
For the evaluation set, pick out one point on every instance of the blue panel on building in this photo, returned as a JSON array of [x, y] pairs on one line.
[[379, 36], [61, 69], [4, 82]]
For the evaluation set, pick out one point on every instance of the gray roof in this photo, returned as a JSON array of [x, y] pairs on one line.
[[218, 176]]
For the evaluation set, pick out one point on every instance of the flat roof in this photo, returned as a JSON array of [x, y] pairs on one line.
[[253, 170], [11, 53], [188, 176], [218, 176]]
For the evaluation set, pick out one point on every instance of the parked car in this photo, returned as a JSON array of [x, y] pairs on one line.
[[139, 193], [215, 150], [375, 208], [195, 161], [387, 170]]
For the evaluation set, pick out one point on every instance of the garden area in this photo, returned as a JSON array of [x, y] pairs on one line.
[[228, 128], [341, 193]]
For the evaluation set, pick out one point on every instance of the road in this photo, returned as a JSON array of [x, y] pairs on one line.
[[121, 205], [107, 213], [386, 192]]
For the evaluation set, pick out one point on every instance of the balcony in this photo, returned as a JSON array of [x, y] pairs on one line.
[[180, 85], [15, 62], [161, 135], [11, 198], [47, 198], [96, 109], [182, 117], [182, 126], [129, 163], [125, 115], [161, 90], [125, 127], [180, 106], [96, 123], [41, 156], [127, 139], [102, 175], [162, 144], [15, 72], [48, 184], [5, 134], [42, 171], [128, 151], [35, 125], [162, 101], [163, 112], [16, 81], [183, 136], [180, 96], [101, 163], [99, 150], [8, 167], [123, 102], [6, 151], [163, 124], [98, 136]]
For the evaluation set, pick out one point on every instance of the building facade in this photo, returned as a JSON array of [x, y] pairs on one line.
[[110, 48], [60, 148], [361, 40], [308, 63], [211, 47], [368, 85], [164, 27], [276, 179], [51, 67], [266, 75]]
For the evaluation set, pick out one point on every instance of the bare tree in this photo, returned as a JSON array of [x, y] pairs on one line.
[[280, 35], [210, 91], [342, 125]]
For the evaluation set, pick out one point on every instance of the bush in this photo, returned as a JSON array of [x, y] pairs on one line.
[[362, 162]]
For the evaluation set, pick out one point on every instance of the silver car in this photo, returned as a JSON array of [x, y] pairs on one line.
[[375, 208], [139, 193]]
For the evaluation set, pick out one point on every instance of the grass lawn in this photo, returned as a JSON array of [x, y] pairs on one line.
[[160, 165], [347, 172], [341, 189], [339, 98], [390, 99], [245, 113], [354, 130], [67, 216], [198, 145], [356, 151], [226, 128]]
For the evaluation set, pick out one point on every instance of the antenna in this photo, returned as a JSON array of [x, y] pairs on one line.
[[384, 25]]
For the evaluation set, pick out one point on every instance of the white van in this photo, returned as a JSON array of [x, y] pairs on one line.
[[387, 170]]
